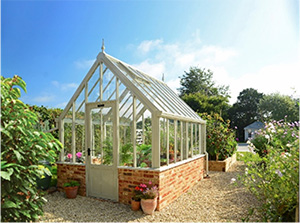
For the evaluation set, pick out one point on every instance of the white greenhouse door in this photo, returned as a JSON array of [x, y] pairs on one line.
[[101, 151]]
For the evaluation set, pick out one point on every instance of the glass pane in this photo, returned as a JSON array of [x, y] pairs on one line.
[[144, 148], [67, 140], [93, 86], [196, 139], [102, 136], [171, 142], [163, 142], [80, 129], [179, 155], [68, 137], [109, 86], [126, 145]]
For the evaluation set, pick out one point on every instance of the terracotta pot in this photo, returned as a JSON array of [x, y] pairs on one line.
[[135, 205], [71, 192], [149, 205]]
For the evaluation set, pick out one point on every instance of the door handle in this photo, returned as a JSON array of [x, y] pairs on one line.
[[89, 151]]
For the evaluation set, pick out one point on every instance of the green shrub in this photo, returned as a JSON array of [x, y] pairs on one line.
[[274, 177], [220, 139], [22, 149]]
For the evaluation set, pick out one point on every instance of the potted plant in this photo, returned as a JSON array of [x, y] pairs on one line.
[[44, 181], [71, 188], [136, 199], [149, 197]]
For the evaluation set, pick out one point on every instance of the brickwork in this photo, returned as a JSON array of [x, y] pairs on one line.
[[171, 183], [66, 172], [222, 165]]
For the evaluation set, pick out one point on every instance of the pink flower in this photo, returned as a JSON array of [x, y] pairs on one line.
[[150, 182], [79, 154], [69, 155]]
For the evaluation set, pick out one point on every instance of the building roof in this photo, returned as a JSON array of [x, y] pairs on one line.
[[154, 94], [255, 125]]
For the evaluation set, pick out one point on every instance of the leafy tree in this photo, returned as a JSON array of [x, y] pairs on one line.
[[22, 149], [277, 106], [200, 80], [201, 103], [245, 110], [201, 94]]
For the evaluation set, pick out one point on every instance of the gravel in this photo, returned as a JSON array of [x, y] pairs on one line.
[[211, 200]]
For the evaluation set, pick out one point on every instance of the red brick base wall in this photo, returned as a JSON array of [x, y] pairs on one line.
[[171, 182], [67, 172]]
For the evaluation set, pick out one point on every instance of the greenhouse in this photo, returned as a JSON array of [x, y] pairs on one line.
[[123, 127]]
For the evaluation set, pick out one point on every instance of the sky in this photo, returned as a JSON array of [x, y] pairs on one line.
[[246, 44]]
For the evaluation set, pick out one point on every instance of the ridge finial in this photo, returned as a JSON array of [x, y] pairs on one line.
[[103, 47]]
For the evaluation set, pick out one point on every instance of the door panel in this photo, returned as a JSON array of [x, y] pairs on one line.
[[102, 179]]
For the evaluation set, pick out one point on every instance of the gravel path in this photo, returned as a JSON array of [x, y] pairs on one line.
[[210, 200]]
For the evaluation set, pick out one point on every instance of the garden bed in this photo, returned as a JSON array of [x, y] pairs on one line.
[[223, 166]]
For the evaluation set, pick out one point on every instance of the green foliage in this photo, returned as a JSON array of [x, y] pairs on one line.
[[200, 80], [72, 183], [201, 94], [22, 149], [143, 155], [277, 106], [126, 154], [220, 140], [274, 177], [202, 103], [107, 151], [245, 110], [46, 117]]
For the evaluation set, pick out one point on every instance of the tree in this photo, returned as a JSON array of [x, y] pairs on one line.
[[245, 110], [22, 149], [203, 104], [276, 106], [200, 80], [201, 94]]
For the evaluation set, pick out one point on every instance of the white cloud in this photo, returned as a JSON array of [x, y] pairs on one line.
[[84, 64], [155, 69], [282, 78], [173, 59], [43, 99], [148, 45], [174, 84], [61, 105], [65, 86]]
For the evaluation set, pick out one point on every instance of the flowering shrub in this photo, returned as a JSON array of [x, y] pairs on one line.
[[220, 141], [273, 177], [284, 132], [145, 191]]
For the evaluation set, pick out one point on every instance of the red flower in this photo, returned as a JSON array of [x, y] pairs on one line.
[[141, 189], [137, 188]]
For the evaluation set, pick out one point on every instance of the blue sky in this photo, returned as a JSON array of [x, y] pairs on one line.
[[249, 43]]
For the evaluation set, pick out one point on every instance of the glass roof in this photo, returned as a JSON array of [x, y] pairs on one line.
[[162, 97]]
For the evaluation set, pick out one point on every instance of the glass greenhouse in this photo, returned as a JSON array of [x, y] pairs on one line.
[[121, 118]]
